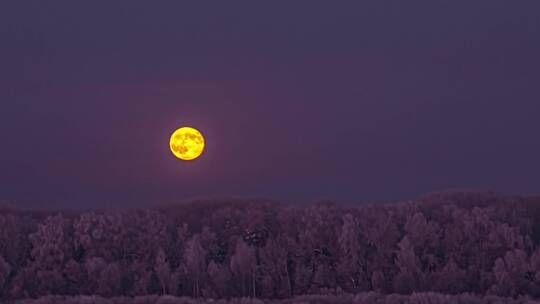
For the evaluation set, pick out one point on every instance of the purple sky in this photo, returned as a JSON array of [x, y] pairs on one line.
[[381, 100]]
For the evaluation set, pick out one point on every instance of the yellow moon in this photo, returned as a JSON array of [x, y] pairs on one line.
[[187, 143]]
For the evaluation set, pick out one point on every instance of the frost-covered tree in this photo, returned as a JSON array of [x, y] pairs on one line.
[[51, 249], [94, 266], [380, 233], [275, 269], [244, 266], [351, 264], [195, 257], [410, 277], [163, 271], [449, 280], [513, 274], [220, 279], [110, 280]]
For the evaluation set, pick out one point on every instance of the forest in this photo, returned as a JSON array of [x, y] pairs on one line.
[[452, 244]]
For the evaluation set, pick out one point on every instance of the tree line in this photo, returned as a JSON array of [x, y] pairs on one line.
[[449, 243]]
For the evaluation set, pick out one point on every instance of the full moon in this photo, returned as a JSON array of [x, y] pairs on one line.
[[187, 143]]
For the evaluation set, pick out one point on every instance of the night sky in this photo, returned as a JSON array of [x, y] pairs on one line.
[[299, 101]]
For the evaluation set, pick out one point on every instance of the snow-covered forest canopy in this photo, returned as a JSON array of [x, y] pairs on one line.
[[449, 243]]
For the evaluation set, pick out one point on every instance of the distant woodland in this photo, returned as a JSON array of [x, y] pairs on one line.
[[451, 243]]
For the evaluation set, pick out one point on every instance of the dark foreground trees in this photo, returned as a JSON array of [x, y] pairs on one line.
[[449, 243]]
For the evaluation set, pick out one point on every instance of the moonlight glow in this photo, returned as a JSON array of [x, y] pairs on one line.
[[187, 143]]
